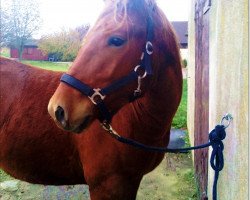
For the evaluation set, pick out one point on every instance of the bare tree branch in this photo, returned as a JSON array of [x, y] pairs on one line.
[[19, 21]]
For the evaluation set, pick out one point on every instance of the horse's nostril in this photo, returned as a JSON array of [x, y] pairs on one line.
[[60, 116]]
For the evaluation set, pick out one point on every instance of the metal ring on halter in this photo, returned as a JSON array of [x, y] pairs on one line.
[[226, 120], [149, 48], [145, 73], [96, 95]]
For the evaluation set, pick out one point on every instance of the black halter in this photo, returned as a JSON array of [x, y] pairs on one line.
[[97, 95]]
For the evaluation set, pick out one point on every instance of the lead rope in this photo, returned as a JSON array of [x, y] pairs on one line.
[[215, 140]]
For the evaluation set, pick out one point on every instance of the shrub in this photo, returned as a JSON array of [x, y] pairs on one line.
[[64, 45]]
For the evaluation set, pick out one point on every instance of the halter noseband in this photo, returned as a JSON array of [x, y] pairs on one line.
[[97, 95]]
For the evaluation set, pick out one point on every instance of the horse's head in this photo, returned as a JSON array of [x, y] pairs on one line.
[[114, 57]]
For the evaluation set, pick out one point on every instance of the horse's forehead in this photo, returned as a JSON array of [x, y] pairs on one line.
[[127, 9], [113, 20], [113, 16]]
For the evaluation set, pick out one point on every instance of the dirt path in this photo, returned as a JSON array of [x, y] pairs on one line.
[[171, 180]]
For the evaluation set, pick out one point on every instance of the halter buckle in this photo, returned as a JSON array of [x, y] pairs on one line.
[[97, 96]]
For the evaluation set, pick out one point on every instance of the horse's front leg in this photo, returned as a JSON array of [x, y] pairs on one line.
[[115, 187]]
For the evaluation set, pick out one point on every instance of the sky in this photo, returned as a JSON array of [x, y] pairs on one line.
[[58, 14]]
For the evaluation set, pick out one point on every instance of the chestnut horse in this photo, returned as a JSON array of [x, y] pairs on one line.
[[35, 150]]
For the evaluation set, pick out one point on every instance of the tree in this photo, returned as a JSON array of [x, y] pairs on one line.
[[3, 29], [63, 45], [19, 21]]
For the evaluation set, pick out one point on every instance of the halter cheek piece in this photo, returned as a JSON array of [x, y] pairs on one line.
[[97, 95]]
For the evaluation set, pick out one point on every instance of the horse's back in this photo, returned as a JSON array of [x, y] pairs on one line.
[[20, 82], [33, 148], [11, 85]]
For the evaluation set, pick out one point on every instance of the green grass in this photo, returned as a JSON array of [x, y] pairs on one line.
[[180, 119], [4, 176], [187, 189], [55, 66], [5, 52], [172, 179]]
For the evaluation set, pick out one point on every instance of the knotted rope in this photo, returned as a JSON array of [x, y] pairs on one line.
[[215, 141]]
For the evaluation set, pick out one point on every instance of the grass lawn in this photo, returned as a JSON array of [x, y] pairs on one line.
[[5, 52], [4, 176], [55, 66], [180, 119]]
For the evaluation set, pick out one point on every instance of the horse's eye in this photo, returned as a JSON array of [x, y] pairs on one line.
[[116, 41]]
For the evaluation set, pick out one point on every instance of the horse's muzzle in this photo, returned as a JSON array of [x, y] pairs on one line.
[[63, 122], [61, 118]]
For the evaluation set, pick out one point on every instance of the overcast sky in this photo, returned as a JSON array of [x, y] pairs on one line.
[[57, 14], [71, 13]]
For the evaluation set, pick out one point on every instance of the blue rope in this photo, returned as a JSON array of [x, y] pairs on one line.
[[217, 161], [215, 140]]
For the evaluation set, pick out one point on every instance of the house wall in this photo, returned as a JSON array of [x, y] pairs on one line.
[[228, 90], [29, 53]]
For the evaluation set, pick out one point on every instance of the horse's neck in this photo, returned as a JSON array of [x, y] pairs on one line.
[[149, 116]]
